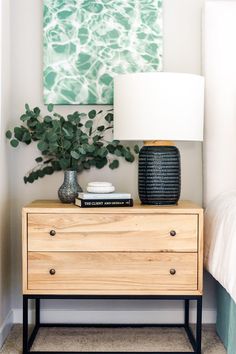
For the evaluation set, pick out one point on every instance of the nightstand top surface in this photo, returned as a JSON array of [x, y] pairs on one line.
[[55, 206]]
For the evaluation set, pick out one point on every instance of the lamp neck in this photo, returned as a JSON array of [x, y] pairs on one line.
[[159, 143]]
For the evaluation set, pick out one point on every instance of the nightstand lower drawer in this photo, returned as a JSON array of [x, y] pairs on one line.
[[112, 273]]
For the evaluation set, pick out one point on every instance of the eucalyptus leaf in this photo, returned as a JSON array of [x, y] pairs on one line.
[[52, 148], [90, 148], [86, 165], [52, 137], [70, 118], [9, 134], [30, 114], [89, 124], [92, 114], [130, 158], [48, 170], [114, 164], [32, 123], [18, 133], [27, 108], [31, 178], [117, 152], [64, 163], [66, 132], [115, 142], [41, 174], [14, 143], [111, 148], [67, 144], [102, 152], [47, 119], [109, 117], [84, 138], [50, 107], [56, 166], [42, 146], [34, 175], [101, 163], [75, 155], [96, 138], [24, 117], [26, 138], [82, 151], [37, 111], [136, 149], [101, 128]]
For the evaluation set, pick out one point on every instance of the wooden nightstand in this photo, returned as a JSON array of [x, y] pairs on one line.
[[146, 252]]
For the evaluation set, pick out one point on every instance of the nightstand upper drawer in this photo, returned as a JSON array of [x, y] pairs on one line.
[[113, 232], [111, 272]]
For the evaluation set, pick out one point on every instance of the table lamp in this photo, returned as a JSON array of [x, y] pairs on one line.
[[159, 108]]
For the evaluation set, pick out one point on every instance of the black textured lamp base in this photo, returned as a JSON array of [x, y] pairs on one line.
[[159, 176]]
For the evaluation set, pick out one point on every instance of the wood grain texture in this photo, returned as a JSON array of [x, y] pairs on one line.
[[101, 292], [112, 273], [55, 206], [24, 250], [113, 232], [200, 251]]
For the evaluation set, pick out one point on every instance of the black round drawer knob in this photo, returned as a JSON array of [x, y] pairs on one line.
[[52, 271], [173, 233], [172, 271], [52, 233]]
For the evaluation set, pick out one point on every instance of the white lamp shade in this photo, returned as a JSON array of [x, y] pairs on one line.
[[158, 106]]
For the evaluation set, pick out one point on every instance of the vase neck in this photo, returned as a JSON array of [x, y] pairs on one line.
[[70, 176]]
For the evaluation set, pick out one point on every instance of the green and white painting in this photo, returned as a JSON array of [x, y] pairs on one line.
[[88, 42]]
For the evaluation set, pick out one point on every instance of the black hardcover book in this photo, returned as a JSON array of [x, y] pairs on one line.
[[96, 203]]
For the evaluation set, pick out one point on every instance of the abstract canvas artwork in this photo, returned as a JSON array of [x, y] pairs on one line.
[[88, 42]]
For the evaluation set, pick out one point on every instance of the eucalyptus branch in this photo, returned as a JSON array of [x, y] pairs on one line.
[[76, 141]]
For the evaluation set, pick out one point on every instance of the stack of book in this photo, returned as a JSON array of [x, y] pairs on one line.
[[94, 200]]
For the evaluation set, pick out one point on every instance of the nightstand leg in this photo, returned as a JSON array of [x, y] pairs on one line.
[[186, 312], [37, 312], [199, 326], [25, 325]]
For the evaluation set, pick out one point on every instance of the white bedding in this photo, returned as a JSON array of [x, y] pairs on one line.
[[220, 240]]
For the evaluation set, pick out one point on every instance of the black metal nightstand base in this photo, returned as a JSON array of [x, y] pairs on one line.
[[29, 340]]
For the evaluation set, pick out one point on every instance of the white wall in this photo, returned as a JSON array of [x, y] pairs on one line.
[[182, 42], [5, 266], [219, 171]]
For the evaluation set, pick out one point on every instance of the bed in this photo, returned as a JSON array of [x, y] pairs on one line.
[[220, 261], [219, 58]]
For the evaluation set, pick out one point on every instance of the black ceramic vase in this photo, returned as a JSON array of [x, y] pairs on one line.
[[159, 177]]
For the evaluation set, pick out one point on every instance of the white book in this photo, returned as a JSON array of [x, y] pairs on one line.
[[104, 195]]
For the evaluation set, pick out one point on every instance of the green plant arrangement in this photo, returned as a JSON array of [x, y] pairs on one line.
[[76, 142]]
